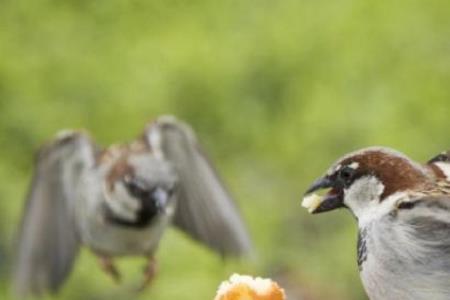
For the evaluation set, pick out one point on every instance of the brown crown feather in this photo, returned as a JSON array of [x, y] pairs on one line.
[[397, 173], [119, 155]]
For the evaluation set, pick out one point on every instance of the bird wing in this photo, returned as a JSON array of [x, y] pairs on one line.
[[48, 241], [428, 219], [205, 209]]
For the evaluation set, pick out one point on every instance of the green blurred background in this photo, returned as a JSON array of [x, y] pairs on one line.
[[276, 91]]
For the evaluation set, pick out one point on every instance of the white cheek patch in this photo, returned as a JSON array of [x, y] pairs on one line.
[[120, 202], [363, 195], [364, 189], [445, 168]]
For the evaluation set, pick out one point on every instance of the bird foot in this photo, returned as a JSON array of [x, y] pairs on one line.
[[107, 265], [149, 274]]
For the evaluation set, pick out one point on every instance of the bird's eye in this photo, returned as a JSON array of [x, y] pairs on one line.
[[346, 174]]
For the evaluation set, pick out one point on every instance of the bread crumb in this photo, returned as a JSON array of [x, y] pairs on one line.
[[243, 287], [311, 202]]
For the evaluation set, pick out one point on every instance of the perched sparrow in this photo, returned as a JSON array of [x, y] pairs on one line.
[[118, 202], [403, 214], [440, 165]]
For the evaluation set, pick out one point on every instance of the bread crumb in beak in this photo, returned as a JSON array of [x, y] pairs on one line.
[[311, 202]]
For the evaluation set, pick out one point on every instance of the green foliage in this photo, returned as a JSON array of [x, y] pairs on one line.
[[276, 90]]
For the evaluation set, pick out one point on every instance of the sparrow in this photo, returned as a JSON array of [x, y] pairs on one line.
[[403, 213], [118, 202]]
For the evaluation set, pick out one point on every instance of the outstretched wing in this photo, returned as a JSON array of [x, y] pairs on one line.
[[205, 210], [48, 241]]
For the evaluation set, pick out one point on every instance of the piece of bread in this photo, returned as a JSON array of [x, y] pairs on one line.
[[242, 287]]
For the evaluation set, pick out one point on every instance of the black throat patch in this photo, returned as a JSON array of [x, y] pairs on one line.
[[361, 248], [145, 216]]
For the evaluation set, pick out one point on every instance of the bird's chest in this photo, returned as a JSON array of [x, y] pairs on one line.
[[112, 239], [394, 266], [105, 237]]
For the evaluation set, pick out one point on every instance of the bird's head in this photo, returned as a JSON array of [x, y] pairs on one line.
[[139, 187], [363, 180]]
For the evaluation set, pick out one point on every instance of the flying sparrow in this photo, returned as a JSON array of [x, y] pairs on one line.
[[403, 214], [118, 201]]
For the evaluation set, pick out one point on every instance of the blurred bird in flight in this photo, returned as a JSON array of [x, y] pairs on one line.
[[118, 201]]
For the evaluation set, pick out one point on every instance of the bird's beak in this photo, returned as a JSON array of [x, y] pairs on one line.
[[161, 197], [332, 200]]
